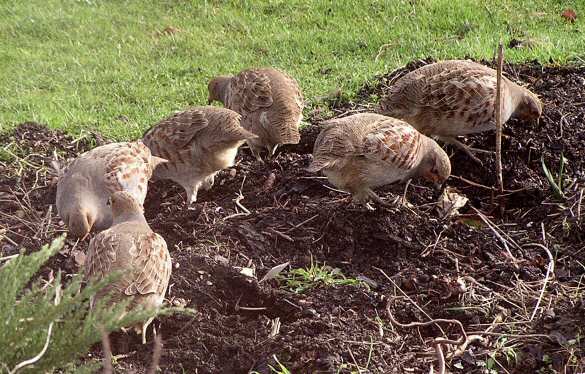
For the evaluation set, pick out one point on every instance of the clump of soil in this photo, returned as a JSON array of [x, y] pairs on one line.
[[484, 269]]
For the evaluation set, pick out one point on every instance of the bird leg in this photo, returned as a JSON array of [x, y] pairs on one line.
[[192, 192], [363, 197], [255, 151], [208, 182], [403, 200], [272, 151], [468, 150], [144, 327]]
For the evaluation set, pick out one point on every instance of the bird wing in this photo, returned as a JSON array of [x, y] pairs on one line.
[[147, 263], [394, 143], [128, 168], [283, 119], [445, 87], [101, 255], [177, 131], [250, 91], [151, 265]]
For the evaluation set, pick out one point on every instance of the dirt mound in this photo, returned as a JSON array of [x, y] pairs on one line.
[[484, 269]]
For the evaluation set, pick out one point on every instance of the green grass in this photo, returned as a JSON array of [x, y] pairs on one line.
[[104, 65], [300, 280]]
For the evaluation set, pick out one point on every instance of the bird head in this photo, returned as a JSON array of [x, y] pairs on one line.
[[529, 108], [80, 222], [217, 89], [436, 166], [124, 206]]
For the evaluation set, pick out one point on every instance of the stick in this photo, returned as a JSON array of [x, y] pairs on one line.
[[33, 360], [463, 340], [107, 348], [155, 354], [549, 270], [499, 117]]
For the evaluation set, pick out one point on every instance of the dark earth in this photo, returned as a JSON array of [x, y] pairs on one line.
[[409, 261]]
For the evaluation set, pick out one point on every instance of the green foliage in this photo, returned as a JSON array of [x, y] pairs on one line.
[[279, 369], [28, 310], [302, 279], [117, 67], [557, 185]]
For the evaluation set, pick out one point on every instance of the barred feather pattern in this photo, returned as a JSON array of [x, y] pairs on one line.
[[449, 98], [367, 150], [197, 143], [140, 255], [271, 105]]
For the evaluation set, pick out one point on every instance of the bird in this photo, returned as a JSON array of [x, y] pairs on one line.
[[85, 185], [367, 150], [270, 102], [456, 97], [139, 255], [198, 143]]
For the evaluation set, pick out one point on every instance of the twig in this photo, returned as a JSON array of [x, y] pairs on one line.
[[549, 270], [407, 297], [107, 348], [282, 235], [472, 183], [499, 117], [579, 205], [463, 341], [5, 258], [302, 223], [156, 353], [497, 234]]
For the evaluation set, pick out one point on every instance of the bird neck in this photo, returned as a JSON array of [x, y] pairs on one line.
[[517, 94], [129, 217], [223, 89]]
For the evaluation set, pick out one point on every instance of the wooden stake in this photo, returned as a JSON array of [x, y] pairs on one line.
[[499, 117]]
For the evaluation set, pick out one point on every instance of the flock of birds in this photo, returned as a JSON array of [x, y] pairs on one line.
[[104, 189]]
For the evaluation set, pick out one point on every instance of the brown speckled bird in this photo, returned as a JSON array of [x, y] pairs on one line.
[[198, 143], [270, 102], [88, 181], [140, 256], [452, 98], [367, 150]]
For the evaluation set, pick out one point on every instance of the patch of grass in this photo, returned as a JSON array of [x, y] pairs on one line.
[[302, 279], [279, 369], [557, 185], [119, 66]]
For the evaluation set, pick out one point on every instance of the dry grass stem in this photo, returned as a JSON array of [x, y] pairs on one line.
[[156, 354], [499, 117], [107, 348]]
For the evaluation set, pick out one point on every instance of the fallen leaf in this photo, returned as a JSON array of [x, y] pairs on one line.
[[569, 15], [249, 272], [269, 183], [273, 273], [450, 202], [79, 257]]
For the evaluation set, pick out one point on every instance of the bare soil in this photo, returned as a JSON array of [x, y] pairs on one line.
[[413, 263]]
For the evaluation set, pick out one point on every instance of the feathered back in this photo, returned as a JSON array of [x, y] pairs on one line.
[[139, 254], [180, 137], [341, 138], [268, 98], [449, 88]]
